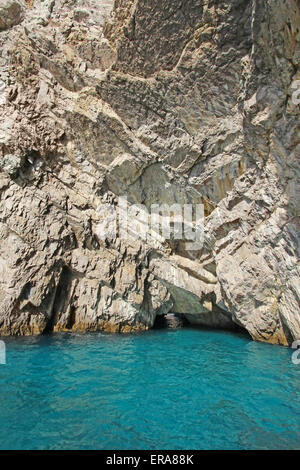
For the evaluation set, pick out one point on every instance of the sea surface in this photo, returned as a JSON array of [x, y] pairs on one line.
[[165, 389]]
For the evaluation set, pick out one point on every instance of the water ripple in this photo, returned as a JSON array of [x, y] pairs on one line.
[[183, 389]]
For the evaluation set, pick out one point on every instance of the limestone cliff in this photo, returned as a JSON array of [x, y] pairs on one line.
[[162, 101]]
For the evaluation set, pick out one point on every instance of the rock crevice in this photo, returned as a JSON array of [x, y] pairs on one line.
[[161, 102]]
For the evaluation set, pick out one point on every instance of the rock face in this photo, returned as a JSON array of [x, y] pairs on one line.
[[11, 13], [165, 101]]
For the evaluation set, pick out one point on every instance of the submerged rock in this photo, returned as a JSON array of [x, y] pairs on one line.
[[162, 103]]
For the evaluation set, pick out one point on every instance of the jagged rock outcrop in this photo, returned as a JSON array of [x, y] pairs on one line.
[[162, 102]]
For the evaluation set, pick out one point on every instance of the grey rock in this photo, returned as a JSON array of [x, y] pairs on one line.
[[11, 165], [161, 102], [11, 13]]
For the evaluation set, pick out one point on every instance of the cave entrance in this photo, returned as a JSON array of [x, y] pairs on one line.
[[170, 321], [174, 321]]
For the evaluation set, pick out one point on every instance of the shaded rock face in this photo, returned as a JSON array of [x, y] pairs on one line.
[[162, 102], [11, 13]]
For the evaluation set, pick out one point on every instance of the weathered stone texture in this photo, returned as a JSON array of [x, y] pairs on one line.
[[11, 13], [164, 102]]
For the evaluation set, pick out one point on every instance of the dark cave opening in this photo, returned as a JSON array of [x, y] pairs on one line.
[[170, 321], [179, 320]]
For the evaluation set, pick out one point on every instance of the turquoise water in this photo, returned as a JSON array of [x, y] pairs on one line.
[[166, 389]]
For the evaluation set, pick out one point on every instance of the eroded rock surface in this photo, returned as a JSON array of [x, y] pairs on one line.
[[162, 102], [11, 13]]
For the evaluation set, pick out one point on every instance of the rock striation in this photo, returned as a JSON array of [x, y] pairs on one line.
[[163, 102]]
